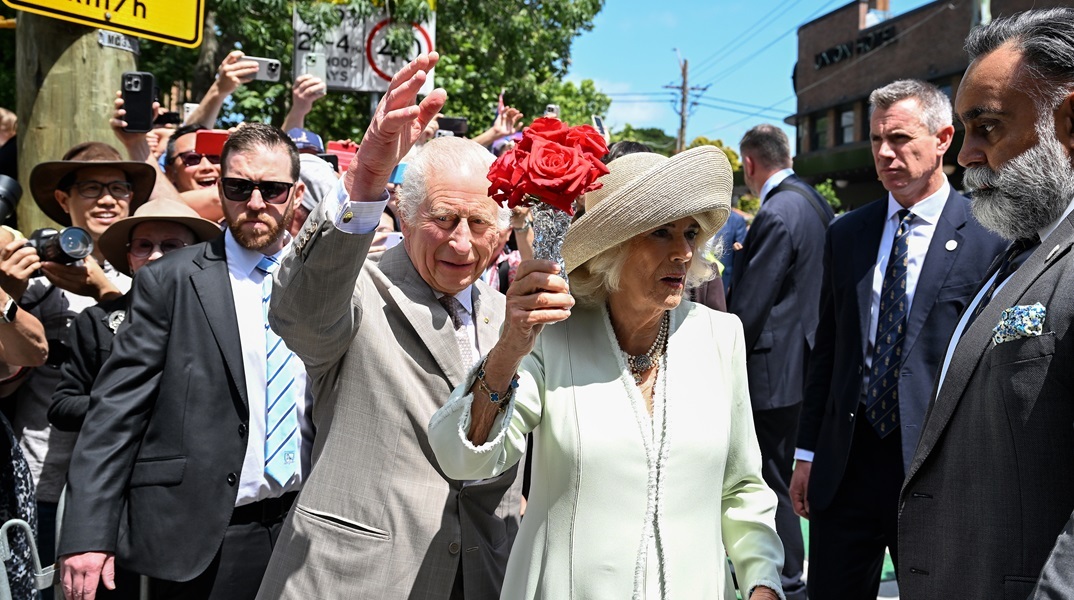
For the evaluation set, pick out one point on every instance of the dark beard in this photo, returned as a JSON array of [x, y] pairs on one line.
[[1028, 193]]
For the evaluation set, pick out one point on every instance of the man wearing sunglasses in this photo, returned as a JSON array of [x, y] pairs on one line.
[[198, 435], [90, 187], [377, 518], [195, 176]]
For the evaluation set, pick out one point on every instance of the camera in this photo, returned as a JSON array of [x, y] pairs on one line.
[[63, 247], [552, 110], [10, 192]]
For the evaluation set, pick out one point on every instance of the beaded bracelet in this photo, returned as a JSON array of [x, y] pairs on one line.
[[494, 397]]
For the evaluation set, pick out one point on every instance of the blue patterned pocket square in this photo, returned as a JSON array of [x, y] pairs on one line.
[[1019, 322]]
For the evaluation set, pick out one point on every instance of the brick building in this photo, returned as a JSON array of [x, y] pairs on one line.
[[847, 53]]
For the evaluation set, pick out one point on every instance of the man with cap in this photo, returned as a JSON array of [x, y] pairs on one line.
[[198, 434], [318, 174], [90, 188]]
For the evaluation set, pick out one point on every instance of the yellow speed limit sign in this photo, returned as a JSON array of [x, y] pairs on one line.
[[176, 22]]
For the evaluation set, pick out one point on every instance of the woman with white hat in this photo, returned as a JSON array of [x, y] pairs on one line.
[[157, 227], [646, 470]]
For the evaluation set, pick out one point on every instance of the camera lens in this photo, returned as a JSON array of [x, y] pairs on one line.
[[76, 242], [274, 66]]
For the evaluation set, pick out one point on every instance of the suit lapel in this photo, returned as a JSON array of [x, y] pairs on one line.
[[417, 303], [938, 262], [213, 287], [971, 348], [866, 248]]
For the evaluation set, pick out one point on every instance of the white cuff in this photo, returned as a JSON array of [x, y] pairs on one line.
[[357, 217], [803, 455]]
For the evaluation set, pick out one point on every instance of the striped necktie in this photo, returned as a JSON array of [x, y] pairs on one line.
[[882, 398], [281, 395]]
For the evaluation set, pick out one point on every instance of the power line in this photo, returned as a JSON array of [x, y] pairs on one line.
[[768, 46], [728, 109], [856, 62], [708, 62]]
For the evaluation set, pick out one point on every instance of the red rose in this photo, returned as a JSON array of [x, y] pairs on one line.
[[547, 128], [558, 174], [504, 175], [588, 140]]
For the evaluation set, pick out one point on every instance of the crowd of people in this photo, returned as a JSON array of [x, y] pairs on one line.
[[274, 376]]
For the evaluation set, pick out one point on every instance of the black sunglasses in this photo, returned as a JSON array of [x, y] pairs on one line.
[[193, 159], [240, 190]]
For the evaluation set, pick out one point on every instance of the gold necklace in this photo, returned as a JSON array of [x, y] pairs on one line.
[[643, 362]]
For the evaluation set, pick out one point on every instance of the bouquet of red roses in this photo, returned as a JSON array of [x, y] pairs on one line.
[[553, 163]]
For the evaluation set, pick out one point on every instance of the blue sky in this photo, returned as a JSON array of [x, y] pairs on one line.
[[744, 51]]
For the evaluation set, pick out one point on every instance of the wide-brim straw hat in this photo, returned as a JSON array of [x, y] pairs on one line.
[[46, 177], [114, 240], [645, 190]]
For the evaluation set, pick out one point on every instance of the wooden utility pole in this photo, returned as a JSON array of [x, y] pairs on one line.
[[67, 83], [680, 145]]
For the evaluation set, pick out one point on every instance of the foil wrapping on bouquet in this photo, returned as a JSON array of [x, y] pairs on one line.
[[549, 227]]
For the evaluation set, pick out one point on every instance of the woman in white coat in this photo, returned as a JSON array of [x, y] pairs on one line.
[[646, 471]]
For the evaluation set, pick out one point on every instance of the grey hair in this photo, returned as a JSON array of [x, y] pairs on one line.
[[1046, 39], [444, 155], [596, 278], [768, 145], [936, 112]]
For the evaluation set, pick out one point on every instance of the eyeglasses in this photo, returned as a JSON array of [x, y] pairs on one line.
[[193, 159], [141, 247], [239, 190], [120, 190]]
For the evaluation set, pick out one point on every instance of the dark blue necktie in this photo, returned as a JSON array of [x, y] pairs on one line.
[[882, 398]]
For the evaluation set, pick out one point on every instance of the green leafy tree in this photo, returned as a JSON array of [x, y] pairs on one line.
[[827, 189], [732, 156], [653, 137], [520, 46]]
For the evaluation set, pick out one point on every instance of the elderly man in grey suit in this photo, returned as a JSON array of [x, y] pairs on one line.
[[985, 511], [385, 343]]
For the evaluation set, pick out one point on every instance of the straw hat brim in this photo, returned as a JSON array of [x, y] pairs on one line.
[[47, 175], [644, 193], [113, 242]]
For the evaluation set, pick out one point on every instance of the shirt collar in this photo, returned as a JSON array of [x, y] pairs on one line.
[[773, 181], [243, 260], [929, 209], [1044, 233], [465, 297]]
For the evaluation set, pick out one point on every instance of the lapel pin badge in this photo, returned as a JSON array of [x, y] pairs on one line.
[[951, 245], [486, 320], [1052, 253]]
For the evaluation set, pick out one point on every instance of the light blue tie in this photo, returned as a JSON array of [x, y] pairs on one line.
[[281, 407]]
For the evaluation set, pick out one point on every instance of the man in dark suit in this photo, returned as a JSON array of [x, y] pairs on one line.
[[897, 274], [775, 292], [197, 437], [985, 511]]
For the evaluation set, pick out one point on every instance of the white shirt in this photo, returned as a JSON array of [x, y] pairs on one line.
[[246, 280], [951, 345], [926, 215], [772, 182]]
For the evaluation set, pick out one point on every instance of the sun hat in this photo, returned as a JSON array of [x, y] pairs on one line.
[[47, 176], [114, 240], [320, 178], [645, 190]]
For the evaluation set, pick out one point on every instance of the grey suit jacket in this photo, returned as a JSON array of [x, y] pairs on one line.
[[989, 490], [377, 518]]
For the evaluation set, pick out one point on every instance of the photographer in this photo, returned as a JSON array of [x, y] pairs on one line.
[[90, 188]]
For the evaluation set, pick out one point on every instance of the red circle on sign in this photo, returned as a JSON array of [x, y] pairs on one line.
[[373, 34]]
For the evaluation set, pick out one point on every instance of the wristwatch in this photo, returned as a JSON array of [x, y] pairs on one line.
[[9, 312]]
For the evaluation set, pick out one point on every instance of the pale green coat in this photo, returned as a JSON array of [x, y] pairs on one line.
[[596, 490]]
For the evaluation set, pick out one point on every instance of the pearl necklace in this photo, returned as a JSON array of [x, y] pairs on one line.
[[643, 362]]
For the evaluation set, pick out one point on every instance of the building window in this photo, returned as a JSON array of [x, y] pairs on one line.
[[819, 136], [800, 139], [845, 133]]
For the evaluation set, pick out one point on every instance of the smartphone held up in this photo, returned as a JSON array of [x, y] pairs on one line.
[[137, 88]]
